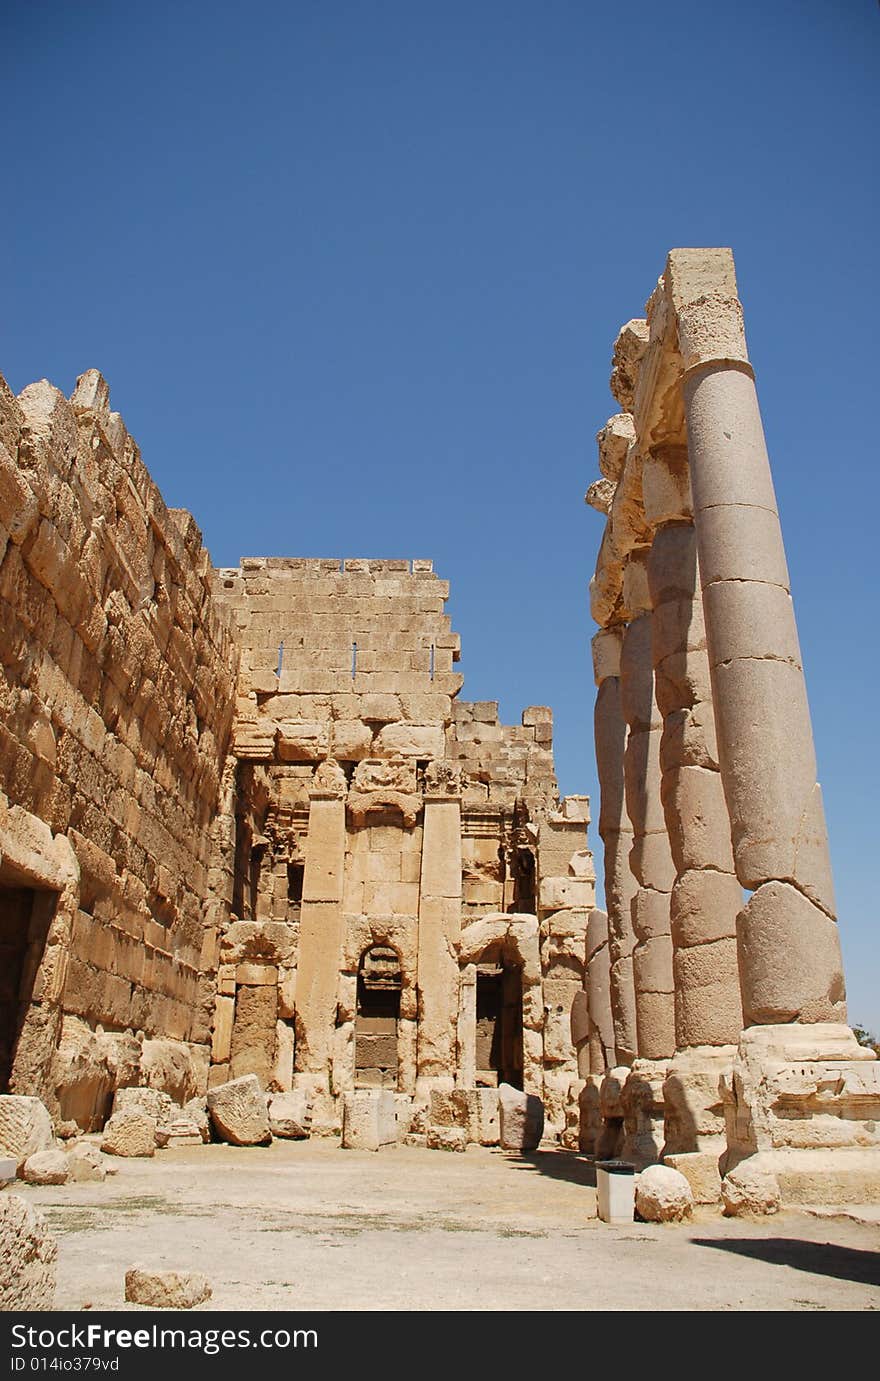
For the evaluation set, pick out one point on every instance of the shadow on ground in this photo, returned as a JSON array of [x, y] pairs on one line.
[[817, 1258], [558, 1165]]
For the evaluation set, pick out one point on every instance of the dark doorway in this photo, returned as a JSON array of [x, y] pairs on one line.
[[499, 1025], [25, 915], [378, 1012]]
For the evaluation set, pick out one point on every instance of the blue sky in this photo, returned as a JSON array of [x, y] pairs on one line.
[[354, 272]]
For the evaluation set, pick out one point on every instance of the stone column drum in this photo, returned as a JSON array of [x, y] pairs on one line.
[[706, 895], [796, 1055], [616, 833]]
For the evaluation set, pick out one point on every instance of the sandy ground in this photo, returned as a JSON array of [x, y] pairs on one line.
[[308, 1226]]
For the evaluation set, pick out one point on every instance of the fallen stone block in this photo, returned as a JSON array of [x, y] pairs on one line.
[[87, 1165], [663, 1195], [46, 1167], [238, 1112], [197, 1109], [166, 1289], [446, 1138], [25, 1127], [290, 1114], [28, 1253], [521, 1117], [369, 1119], [182, 1131], [749, 1189], [130, 1133], [154, 1102]]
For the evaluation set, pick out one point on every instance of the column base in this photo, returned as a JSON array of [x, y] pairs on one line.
[[802, 1102], [642, 1101], [693, 1119], [590, 1124]]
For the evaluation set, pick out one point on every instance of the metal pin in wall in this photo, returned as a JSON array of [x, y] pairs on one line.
[[280, 657], [354, 659], [432, 661]]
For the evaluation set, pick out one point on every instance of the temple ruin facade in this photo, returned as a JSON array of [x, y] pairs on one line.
[[249, 831], [247, 827]]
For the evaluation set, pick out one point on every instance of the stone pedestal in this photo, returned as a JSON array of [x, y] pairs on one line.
[[643, 1110], [694, 1125], [803, 1102]]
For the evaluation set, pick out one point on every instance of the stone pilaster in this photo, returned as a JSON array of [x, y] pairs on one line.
[[321, 937], [439, 936]]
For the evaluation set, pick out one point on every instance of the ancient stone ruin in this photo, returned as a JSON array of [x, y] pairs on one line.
[[263, 873], [247, 827], [721, 1000]]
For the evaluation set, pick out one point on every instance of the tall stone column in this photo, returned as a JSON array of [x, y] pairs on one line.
[[439, 940], [796, 1053], [650, 856], [654, 871], [706, 895], [321, 936], [765, 738], [616, 833]]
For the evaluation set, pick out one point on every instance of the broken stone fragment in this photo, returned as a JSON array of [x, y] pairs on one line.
[[614, 441], [238, 1112], [166, 1289], [629, 348], [28, 1253], [521, 1117], [749, 1189], [663, 1195], [130, 1133], [600, 495], [46, 1167], [290, 1114], [25, 1127], [87, 1165]]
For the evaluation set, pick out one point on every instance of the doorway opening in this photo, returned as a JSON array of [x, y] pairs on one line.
[[25, 916], [499, 1025], [378, 1012]]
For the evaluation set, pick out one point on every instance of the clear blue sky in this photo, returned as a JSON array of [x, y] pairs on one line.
[[354, 271]]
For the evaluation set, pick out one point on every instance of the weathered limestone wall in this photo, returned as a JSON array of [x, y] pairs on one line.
[[116, 683]]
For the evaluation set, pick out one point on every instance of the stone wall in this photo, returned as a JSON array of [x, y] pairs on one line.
[[117, 687]]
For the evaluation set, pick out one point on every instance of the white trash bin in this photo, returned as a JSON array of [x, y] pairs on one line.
[[616, 1188]]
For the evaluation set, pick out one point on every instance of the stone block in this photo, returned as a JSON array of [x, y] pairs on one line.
[[25, 1127], [521, 1119], [238, 1112], [46, 1167], [131, 1132], [290, 1114], [663, 1195], [28, 1255], [369, 1119], [166, 1289]]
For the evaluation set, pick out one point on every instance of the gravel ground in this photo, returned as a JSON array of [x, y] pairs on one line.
[[308, 1226]]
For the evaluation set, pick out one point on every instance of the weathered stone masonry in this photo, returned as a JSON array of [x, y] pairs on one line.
[[247, 826], [117, 705]]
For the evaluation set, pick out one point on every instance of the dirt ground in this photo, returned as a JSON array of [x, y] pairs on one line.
[[308, 1226]]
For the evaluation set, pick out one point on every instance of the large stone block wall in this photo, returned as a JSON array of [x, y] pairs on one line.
[[117, 672]]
